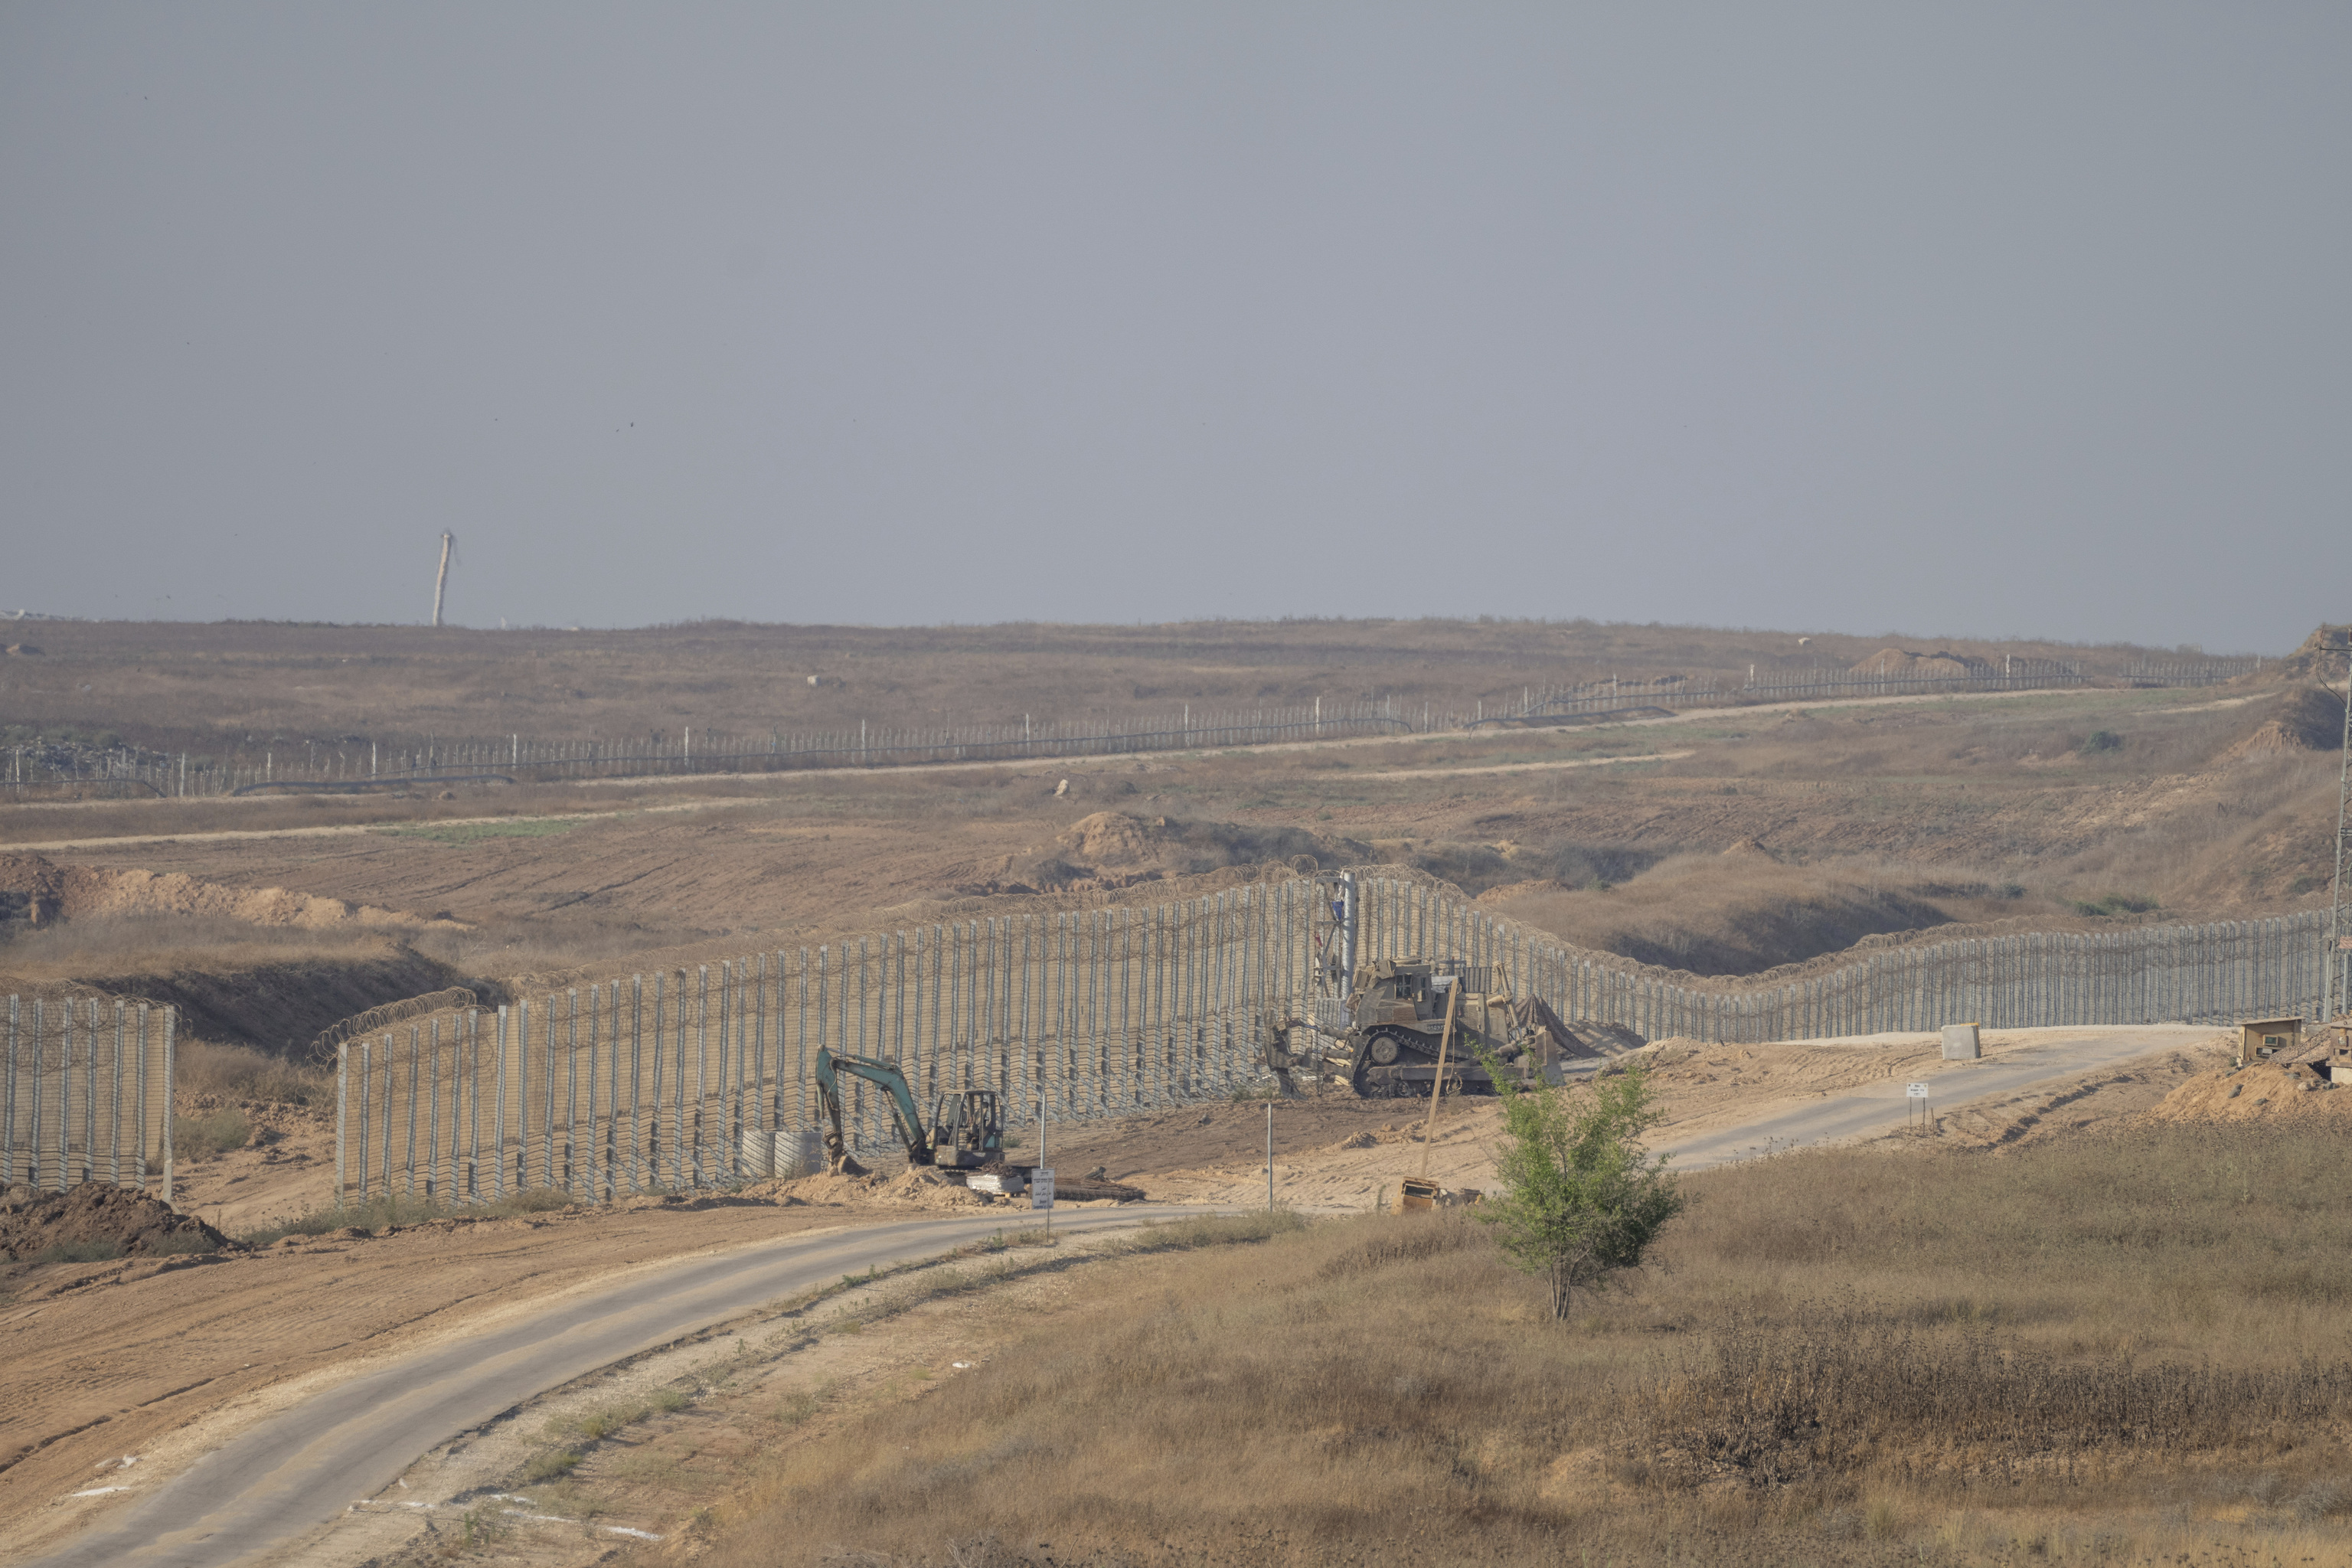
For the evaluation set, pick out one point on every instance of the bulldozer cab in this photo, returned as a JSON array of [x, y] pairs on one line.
[[1412, 992], [967, 1129]]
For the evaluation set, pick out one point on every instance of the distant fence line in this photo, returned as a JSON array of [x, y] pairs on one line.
[[421, 761], [2193, 671], [87, 1094], [703, 1076]]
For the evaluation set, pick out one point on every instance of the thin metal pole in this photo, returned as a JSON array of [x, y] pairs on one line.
[[171, 1018], [412, 1111], [2331, 1003], [432, 1118], [571, 1088], [366, 1084], [114, 1117], [637, 1081], [679, 1132], [499, 1116]]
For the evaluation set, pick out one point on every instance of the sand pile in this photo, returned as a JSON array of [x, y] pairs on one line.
[[1904, 664], [32, 1222], [1112, 838], [1112, 849], [35, 890], [927, 1188], [2263, 1092], [816, 1189], [919, 1187], [2311, 720]]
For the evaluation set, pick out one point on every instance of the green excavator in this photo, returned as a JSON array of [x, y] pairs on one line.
[[965, 1139], [967, 1131]]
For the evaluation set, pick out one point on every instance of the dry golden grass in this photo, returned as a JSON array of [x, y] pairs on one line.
[[168, 685], [239, 1072], [2115, 1349]]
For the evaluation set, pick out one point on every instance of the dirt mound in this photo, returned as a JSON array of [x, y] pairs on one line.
[[1750, 849], [928, 1188], [2310, 720], [2263, 1092], [1112, 838], [280, 1007], [99, 1213], [1534, 885], [1904, 663], [35, 890], [1112, 849], [817, 1189], [919, 1185], [2321, 654]]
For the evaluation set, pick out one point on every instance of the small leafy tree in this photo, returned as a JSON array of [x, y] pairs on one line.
[[1582, 1199]]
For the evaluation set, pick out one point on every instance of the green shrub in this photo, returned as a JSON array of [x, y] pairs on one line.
[[198, 1137], [185, 1243], [79, 1252], [2113, 904]]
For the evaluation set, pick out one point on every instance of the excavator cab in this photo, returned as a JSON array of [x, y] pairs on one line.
[[967, 1129]]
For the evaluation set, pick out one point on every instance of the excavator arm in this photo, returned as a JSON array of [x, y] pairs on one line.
[[831, 1067]]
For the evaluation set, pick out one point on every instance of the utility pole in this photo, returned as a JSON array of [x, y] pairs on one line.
[[441, 578], [2332, 999]]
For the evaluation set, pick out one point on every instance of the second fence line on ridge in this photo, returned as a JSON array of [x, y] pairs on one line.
[[686, 1078]]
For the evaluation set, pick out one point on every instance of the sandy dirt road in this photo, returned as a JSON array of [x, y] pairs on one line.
[[1333, 1152], [165, 1358], [383, 1341], [258, 1496]]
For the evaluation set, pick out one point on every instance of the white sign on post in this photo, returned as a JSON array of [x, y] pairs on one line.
[[1915, 1091], [1041, 1189]]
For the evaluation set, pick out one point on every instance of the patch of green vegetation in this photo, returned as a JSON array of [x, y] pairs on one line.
[[475, 832], [2113, 904], [598, 1424], [79, 1252], [547, 1467], [2101, 741]]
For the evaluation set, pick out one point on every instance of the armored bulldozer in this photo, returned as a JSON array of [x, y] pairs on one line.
[[1396, 1022]]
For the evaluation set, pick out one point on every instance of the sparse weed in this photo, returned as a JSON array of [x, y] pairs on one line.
[[398, 1210], [548, 1466], [79, 1252], [215, 1132]]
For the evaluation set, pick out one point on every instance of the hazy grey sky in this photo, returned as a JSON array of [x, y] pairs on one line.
[[1972, 319]]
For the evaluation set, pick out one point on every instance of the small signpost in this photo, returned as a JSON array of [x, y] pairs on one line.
[[1916, 1094]]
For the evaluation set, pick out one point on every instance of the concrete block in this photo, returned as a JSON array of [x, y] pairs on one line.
[[1961, 1043]]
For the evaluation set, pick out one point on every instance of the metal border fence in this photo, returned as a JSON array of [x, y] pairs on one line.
[[87, 1094], [350, 763], [699, 1077]]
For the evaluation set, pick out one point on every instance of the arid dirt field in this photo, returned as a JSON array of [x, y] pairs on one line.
[[1722, 842]]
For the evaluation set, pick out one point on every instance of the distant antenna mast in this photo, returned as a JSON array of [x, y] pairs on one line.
[[441, 578]]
